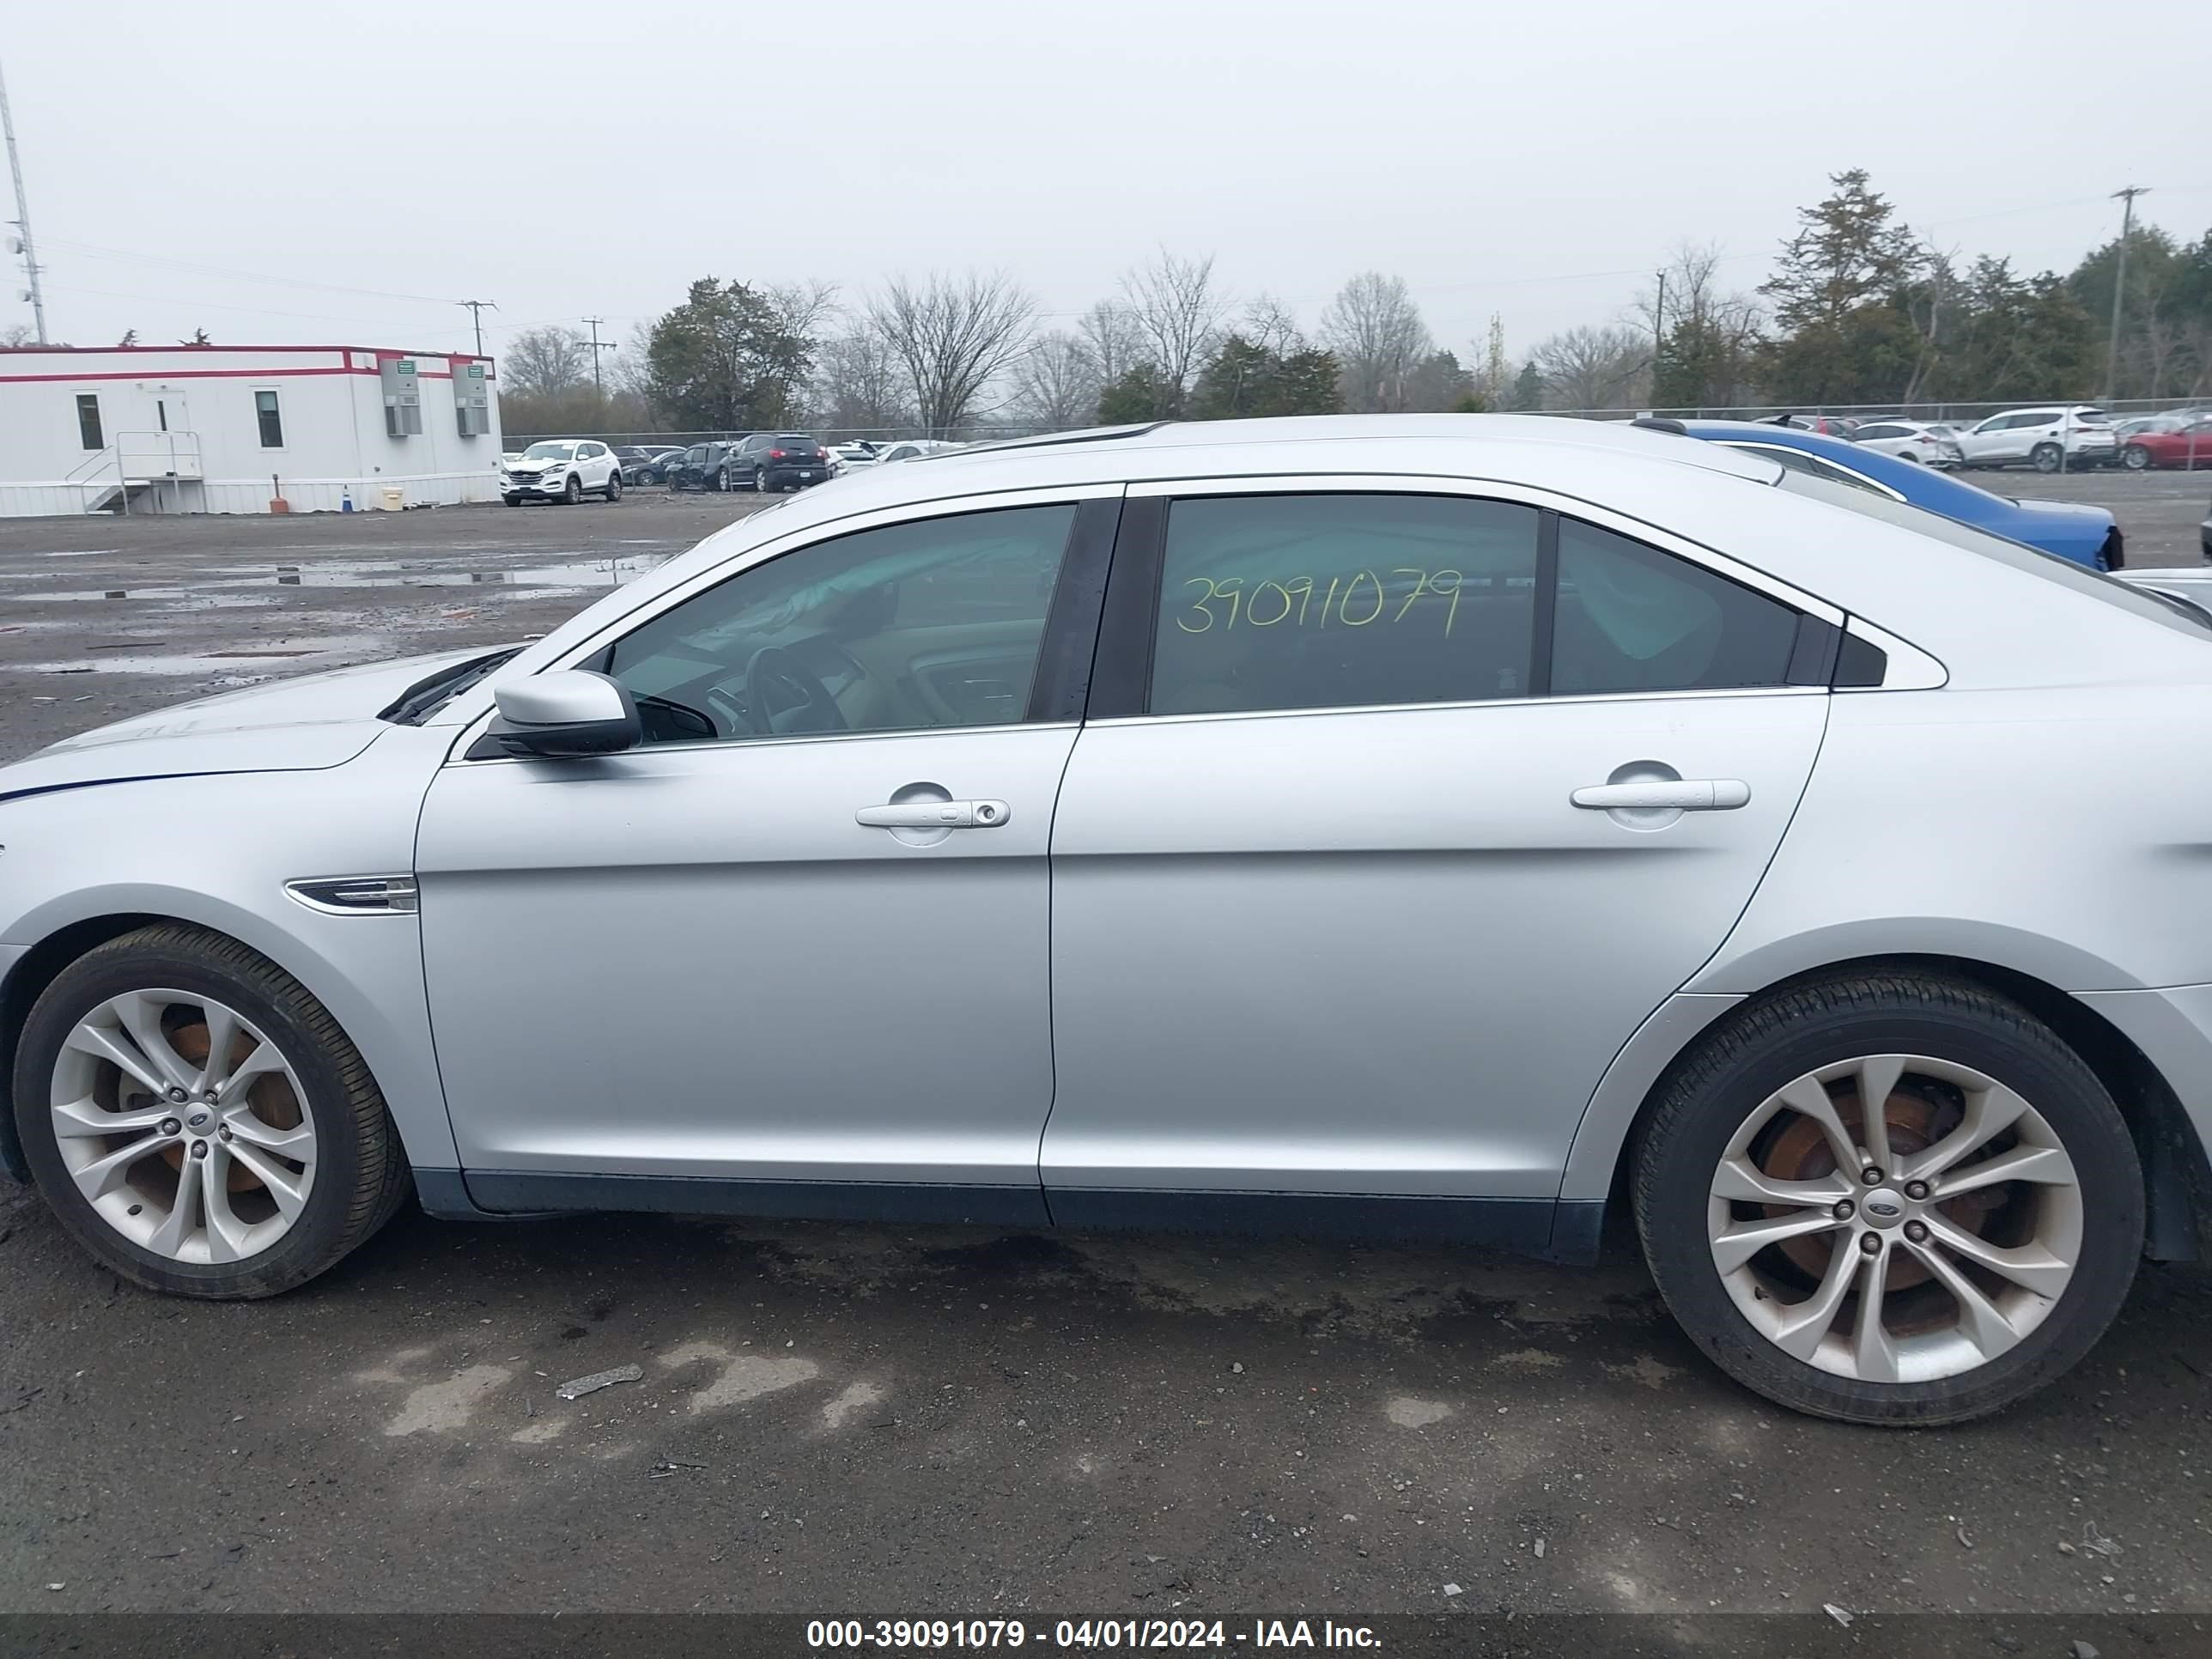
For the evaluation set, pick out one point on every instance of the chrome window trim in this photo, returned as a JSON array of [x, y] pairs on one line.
[[1497, 489], [1469, 706], [1910, 668], [1874, 484], [472, 724]]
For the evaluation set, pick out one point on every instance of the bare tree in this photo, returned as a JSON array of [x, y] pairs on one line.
[[1179, 312], [18, 336], [861, 387], [1594, 367], [1056, 383], [1377, 334], [804, 309], [1272, 327], [1113, 337], [953, 335], [545, 362], [1706, 338]]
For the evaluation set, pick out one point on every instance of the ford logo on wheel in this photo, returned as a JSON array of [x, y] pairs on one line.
[[1888, 1206]]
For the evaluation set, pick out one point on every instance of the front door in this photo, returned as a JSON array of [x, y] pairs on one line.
[[1338, 915], [769, 959]]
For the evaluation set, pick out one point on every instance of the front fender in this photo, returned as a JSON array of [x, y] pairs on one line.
[[215, 852]]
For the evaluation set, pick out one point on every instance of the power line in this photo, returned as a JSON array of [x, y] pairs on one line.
[[598, 346]]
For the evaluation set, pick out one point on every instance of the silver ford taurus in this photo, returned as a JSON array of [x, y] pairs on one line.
[[1441, 825]]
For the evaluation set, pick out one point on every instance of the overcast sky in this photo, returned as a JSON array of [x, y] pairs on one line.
[[342, 172]]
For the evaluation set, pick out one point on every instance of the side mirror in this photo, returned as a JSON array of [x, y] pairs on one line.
[[570, 712]]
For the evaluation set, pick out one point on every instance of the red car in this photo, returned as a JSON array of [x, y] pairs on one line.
[[2176, 443]]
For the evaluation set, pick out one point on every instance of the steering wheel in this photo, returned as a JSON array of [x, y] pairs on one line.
[[773, 671]]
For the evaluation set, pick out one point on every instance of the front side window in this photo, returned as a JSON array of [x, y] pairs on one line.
[[1343, 601], [1629, 617], [271, 419], [913, 626], [88, 421]]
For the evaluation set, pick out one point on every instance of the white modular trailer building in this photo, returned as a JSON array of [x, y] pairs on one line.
[[230, 428]]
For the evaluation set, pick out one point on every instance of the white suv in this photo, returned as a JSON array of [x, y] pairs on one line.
[[560, 470], [2048, 439]]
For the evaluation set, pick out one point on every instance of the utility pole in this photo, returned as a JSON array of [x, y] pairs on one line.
[[598, 346], [2127, 198], [1658, 335], [476, 309], [31, 290]]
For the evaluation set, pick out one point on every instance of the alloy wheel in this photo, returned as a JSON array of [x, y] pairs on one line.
[[1912, 1243], [184, 1127]]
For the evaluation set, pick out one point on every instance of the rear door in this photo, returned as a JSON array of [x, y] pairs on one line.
[[1352, 900]]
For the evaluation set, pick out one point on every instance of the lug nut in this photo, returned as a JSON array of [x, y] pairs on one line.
[[1871, 1175], [1845, 1210], [199, 1149], [1871, 1244], [170, 1126], [222, 1134], [1916, 1231], [1915, 1190], [177, 1096]]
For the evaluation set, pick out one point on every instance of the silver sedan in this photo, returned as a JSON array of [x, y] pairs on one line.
[[1439, 825]]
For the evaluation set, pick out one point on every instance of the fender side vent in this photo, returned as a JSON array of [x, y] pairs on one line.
[[355, 895]]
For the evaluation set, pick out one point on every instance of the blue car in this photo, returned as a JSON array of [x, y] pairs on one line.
[[2072, 529]]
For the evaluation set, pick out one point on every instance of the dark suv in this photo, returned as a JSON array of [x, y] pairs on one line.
[[705, 466], [779, 460]]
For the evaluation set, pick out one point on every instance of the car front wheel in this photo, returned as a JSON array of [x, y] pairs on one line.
[[572, 493], [2134, 458], [1936, 1257], [199, 1121]]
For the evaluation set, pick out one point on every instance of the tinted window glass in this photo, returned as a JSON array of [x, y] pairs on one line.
[[1631, 618], [1865, 432], [88, 421], [896, 630], [1798, 461], [1343, 601], [271, 419]]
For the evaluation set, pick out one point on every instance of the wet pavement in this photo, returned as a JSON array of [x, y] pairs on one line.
[[896, 1420]]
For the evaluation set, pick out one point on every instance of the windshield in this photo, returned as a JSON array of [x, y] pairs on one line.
[[549, 451], [2017, 555]]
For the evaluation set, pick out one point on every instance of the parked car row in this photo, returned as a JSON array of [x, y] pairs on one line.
[[568, 469], [2051, 438]]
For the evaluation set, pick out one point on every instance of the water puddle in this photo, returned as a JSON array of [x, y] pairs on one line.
[[241, 585], [240, 665]]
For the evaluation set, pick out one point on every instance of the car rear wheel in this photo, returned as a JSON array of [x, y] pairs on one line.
[[2134, 458], [1909, 456], [199, 1121], [1936, 1258], [722, 479], [572, 493], [2046, 457], [614, 486]]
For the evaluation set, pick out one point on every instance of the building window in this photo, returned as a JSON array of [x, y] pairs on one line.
[[88, 420], [272, 423]]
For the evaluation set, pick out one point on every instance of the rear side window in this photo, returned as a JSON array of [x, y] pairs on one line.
[[1343, 601], [1798, 461], [1629, 617]]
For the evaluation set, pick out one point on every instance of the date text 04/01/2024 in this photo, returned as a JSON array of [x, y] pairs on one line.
[[1084, 1634]]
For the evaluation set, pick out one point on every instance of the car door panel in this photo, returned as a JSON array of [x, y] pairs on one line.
[[1380, 952], [694, 961]]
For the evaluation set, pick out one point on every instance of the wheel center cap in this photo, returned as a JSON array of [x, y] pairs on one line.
[[199, 1117], [1883, 1206]]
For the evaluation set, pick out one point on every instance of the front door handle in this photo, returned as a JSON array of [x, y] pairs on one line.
[[936, 815], [1666, 794]]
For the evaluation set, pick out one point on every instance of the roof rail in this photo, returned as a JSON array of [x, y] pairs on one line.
[[1084, 435], [1661, 423]]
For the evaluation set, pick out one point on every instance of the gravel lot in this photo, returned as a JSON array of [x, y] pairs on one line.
[[872, 1420]]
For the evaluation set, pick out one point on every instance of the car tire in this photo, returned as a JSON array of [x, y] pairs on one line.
[[1909, 456], [2134, 458], [759, 481], [511, 501], [2046, 457], [1702, 1140], [572, 493], [614, 487], [351, 1180], [722, 479]]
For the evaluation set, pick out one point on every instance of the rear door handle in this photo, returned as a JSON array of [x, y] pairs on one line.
[[1676, 795], [936, 815]]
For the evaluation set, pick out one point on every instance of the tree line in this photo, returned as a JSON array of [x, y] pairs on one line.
[[1858, 310]]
